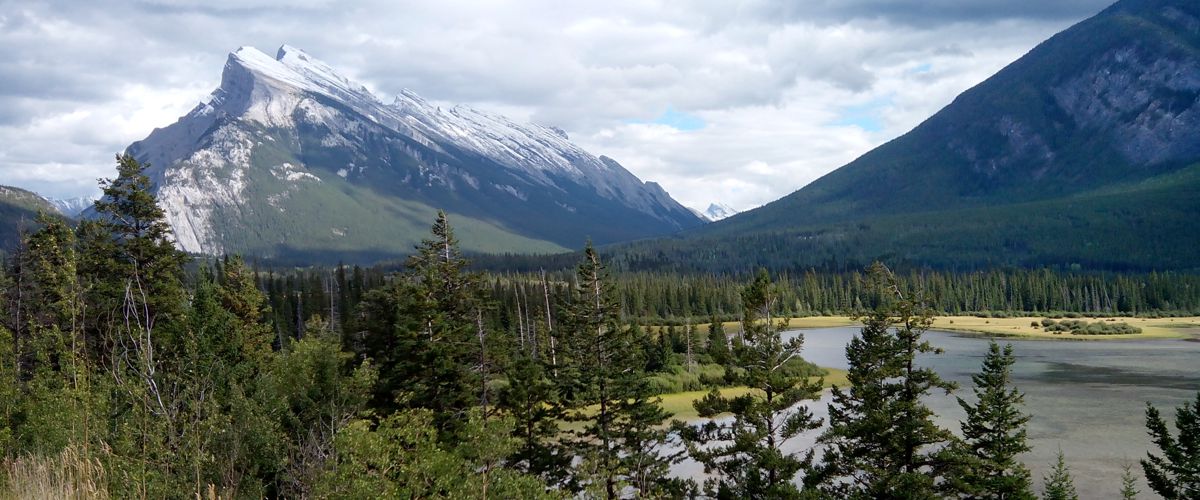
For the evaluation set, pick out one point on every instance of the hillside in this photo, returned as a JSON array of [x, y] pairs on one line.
[[289, 160], [18, 210], [1080, 152]]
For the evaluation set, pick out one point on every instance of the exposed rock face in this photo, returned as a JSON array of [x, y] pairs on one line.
[[1147, 104], [282, 134]]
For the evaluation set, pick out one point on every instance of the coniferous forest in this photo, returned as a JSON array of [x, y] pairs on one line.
[[133, 370]]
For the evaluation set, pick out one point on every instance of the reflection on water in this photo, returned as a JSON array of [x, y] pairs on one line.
[[1089, 398]]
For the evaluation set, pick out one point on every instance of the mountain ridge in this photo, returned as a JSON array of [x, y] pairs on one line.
[[1111, 104], [286, 143]]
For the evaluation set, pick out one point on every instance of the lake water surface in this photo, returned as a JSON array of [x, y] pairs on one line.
[[1087, 397]]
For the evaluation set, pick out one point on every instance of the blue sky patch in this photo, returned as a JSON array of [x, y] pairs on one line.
[[867, 116], [677, 120]]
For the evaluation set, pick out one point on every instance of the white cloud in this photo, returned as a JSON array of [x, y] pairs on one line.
[[770, 80]]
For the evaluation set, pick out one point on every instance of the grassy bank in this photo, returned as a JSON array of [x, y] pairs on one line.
[[680, 403], [1152, 328], [1022, 326]]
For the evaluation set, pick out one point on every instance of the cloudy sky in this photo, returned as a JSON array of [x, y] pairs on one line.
[[717, 100]]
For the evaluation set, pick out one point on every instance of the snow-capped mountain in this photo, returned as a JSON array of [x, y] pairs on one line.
[[288, 158], [716, 212], [72, 207]]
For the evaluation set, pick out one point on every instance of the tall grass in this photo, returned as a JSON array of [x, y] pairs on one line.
[[68, 475]]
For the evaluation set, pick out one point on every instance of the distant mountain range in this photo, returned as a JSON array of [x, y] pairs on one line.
[[72, 207], [288, 159], [1085, 152]]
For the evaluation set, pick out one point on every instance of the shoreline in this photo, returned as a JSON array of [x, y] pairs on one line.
[[1186, 328]]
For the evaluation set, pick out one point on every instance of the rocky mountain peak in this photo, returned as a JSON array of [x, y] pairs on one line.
[[287, 146]]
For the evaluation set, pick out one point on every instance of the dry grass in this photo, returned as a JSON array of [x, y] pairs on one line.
[[69, 475], [680, 403], [1152, 328]]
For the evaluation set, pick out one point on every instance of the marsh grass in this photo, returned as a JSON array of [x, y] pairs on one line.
[[70, 475]]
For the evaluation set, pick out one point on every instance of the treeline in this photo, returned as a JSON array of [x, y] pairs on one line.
[[653, 298]]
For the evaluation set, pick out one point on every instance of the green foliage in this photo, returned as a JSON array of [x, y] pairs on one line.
[[993, 435], [401, 458], [881, 436], [1080, 327], [1058, 485], [745, 456], [531, 399], [1129, 489], [620, 441], [1174, 473], [317, 390]]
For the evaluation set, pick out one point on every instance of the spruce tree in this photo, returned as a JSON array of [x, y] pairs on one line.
[[620, 440], [993, 435], [429, 324], [746, 456], [1059, 485], [1176, 472], [531, 399], [718, 344], [1129, 489], [882, 441]]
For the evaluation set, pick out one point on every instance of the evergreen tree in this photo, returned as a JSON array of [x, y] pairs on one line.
[[133, 275], [1059, 485], [1176, 472], [1129, 489], [425, 331], [882, 441], [618, 445], [531, 400], [745, 456], [718, 344], [993, 435]]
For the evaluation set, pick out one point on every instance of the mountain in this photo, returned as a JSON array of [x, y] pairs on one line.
[[1084, 151], [288, 159], [18, 209], [72, 207], [719, 211]]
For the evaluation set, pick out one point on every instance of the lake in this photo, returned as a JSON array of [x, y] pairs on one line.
[[1087, 397]]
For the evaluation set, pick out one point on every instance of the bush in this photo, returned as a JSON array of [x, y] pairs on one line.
[[1081, 327]]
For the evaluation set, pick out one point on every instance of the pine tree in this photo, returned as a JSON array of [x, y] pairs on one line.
[[718, 343], [746, 456], [428, 326], [993, 435], [882, 441], [531, 399], [133, 275], [1129, 489], [1059, 485], [619, 442], [1176, 473]]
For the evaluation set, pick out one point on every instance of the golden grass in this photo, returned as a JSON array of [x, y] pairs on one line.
[[1152, 328], [69, 475], [805, 322], [680, 403]]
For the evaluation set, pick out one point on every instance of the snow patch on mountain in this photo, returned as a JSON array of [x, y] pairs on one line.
[[296, 105], [72, 207], [715, 212]]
